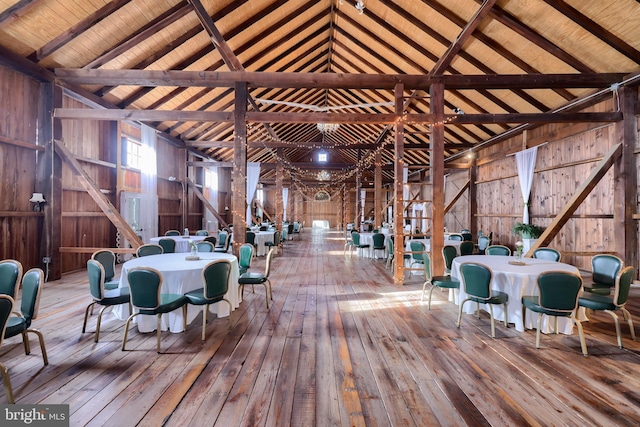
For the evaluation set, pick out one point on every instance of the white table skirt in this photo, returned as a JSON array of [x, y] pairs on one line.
[[183, 243], [179, 277], [261, 238], [516, 281], [367, 239]]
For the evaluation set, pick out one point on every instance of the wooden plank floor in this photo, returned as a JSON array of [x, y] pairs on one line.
[[341, 345]]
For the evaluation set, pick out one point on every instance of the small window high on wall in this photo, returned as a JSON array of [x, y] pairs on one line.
[[132, 152]]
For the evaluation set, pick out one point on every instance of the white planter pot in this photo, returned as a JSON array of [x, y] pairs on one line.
[[526, 244]]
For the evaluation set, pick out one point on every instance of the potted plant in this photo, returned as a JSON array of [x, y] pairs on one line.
[[528, 232]]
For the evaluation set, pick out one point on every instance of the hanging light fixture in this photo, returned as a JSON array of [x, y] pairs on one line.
[[323, 175], [328, 127]]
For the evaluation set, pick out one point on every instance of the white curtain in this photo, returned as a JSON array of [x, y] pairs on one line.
[[253, 176], [526, 162], [211, 181], [363, 198], [148, 185], [285, 199]]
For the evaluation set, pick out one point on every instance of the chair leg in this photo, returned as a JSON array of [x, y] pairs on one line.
[[86, 315], [506, 316], [460, 313], [159, 334], [25, 342], [270, 290], [493, 323], [98, 324], [583, 343], [43, 349], [617, 323], [629, 320], [7, 383], [184, 317], [205, 308], [538, 330], [126, 329]]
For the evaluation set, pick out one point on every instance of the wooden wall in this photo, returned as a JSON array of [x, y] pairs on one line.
[[20, 227]]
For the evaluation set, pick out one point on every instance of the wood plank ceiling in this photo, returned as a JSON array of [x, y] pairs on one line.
[[396, 37]]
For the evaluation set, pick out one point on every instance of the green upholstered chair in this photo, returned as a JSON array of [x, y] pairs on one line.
[[465, 230], [378, 243], [277, 236], [610, 304], [204, 247], [348, 243], [476, 282], [224, 248], [417, 249], [10, 277], [283, 237], [605, 269], [467, 247], [356, 241], [442, 282], [390, 253], [202, 233], [222, 239], [215, 280], [252, 278], [296, 228], [172, 233], [168, 245], [558, 297], [498, 250], [549, 254], [20, 324], [449, 252], [145, 287], [149, 249], [101, 295], [467, 237], [245, 254], [108, 260], [456, 236], [250, 237], [6, 307], [483, 244], [211, 239], [290, 227]]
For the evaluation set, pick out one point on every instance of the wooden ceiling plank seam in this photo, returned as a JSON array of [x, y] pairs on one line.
[[13, 13]]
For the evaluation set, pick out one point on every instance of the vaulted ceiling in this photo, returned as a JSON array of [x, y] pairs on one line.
[[510, 38]]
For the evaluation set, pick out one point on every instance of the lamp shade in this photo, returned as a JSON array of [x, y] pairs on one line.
[[37, 198]]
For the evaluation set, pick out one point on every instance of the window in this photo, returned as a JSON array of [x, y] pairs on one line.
[[211, 178], [133, 151], [322, 157]]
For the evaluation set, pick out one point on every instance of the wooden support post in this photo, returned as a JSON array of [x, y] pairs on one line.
[[473, 197], [398, 247], [279, 201], [239, 174], [437, 178], [377, 198], [625, 178]]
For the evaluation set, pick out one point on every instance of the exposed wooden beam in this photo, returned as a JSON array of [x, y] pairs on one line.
[[94, 191], [205, 202], [459, 194], [578, 197], [332, 80]]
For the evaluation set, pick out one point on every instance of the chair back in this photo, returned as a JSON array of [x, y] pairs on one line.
[[623, 285], [6, 307], [202, 233], [95, 271], [215, 277], [10, 276], [267, 265], [466, 247], [605, 268], [222, 238], [426, 258], [449, 252], [498, 250], [277, 236], [389, 243], [108, 260], [467, 237], [456, 236], [549, 254], [559, 290], [290, 228], [150, 249], [465, 230], [32, 283], [211, 239], [168, 245], [204, 247], [355, 237], [476, 279], [245, 254], [296, 227], [145, 284], [417, 249], [378, 241], [284, 235], [483, 243], [172, 233], [263, 228]]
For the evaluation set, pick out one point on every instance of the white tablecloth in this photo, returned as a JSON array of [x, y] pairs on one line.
[[183, 243], [516, 281], [427, 244], [367, 239], [261, 238], [179, 277]]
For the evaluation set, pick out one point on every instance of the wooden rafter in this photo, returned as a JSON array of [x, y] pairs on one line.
[[457, 196], [206, 203]]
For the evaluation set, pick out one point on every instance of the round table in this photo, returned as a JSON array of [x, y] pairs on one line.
[[183, 243], [516, 281], [180, 276]]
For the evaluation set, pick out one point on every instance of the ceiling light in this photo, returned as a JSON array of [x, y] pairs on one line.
[[328, 127]]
